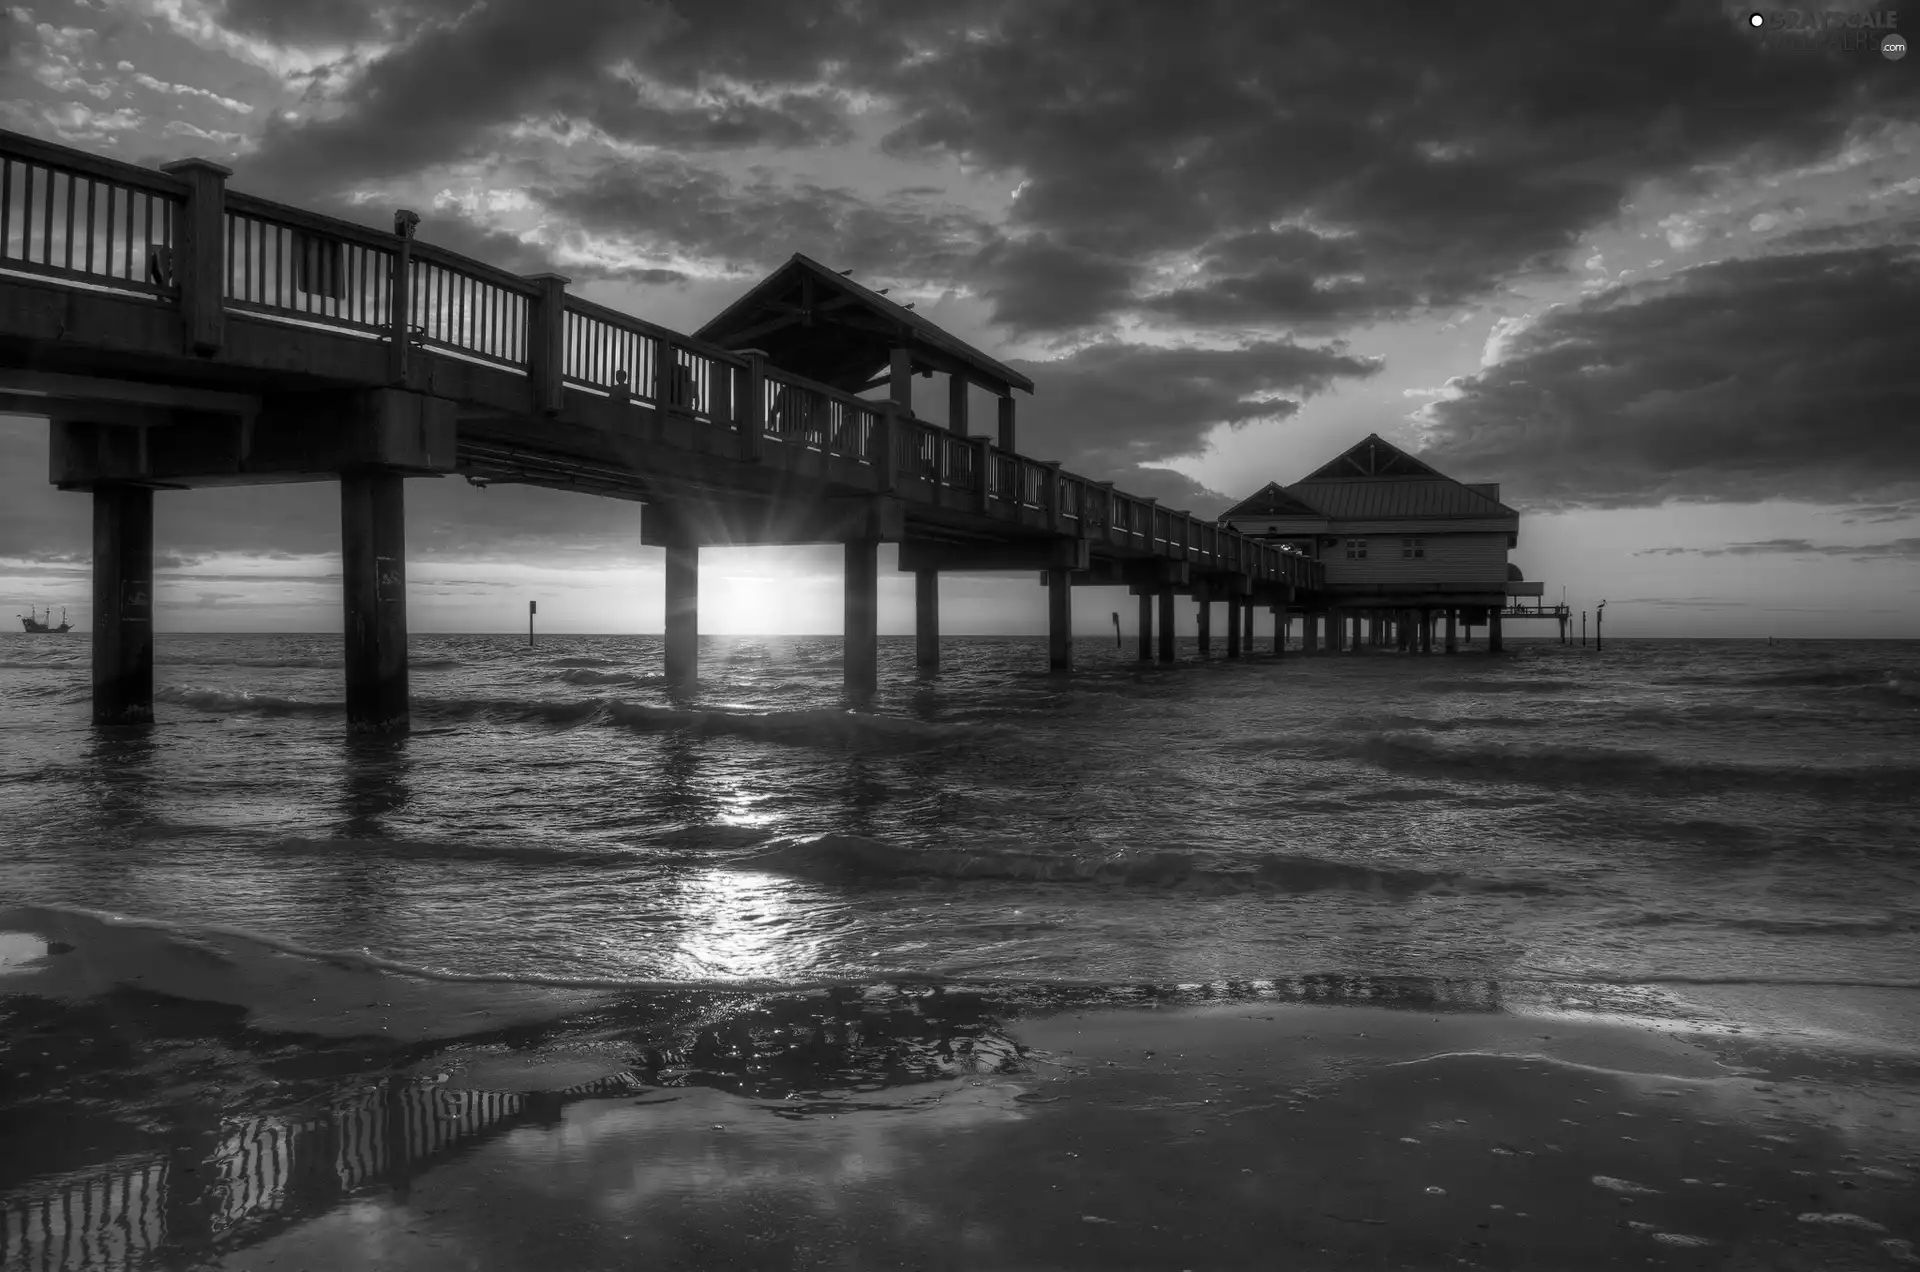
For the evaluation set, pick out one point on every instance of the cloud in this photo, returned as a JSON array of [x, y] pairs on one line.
[[1783, 376], [1896, 549], [1114, 405]]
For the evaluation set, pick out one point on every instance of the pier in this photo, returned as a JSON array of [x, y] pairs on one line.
[[177, 334]]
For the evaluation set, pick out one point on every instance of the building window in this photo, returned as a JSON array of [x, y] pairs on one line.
[[1356, 549], [1413, 549]]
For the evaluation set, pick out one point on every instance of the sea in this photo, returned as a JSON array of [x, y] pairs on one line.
[[1723, 834]]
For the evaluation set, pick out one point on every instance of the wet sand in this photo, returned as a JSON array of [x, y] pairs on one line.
[[171, 1100]]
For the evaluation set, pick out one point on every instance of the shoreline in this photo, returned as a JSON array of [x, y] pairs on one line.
[[960, 1127]]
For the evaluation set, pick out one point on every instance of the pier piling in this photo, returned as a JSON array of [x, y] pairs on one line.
[[1059, 620], [1166, 625], [122, 605], [862, 619], [1145, 635], [683, 614], [373, 564], [926, 621], [1233, 627]]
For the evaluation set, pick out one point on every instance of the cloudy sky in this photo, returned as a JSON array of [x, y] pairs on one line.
[[1651, 270]]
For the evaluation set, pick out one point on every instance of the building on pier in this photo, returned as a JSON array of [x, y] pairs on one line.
[[1402, 544]]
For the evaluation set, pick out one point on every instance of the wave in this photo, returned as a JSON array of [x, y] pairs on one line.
[[43, 664], [1528, 685], [1885, 925], [584, 662], [1795, 678], [589, 676], [1566, 762], [810, 726], [243, 703], [836, 856], [459, 850], [333, 662]]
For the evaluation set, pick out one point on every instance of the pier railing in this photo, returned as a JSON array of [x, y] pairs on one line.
[[83, 220]]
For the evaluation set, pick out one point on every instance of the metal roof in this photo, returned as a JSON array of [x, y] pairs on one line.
[[823, 325], [1365, 498], [1270, 501]]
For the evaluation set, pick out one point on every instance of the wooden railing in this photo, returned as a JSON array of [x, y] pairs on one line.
[[84, 220]]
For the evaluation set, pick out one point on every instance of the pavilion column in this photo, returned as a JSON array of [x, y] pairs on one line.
[[1233, 627], [373, 560], [1059, 620], [122, 605], [1203, 623], [926, 620], [1493, 631], [1145, 635], [683, 614], [1453, 616], [861, 641], [1166, 625]]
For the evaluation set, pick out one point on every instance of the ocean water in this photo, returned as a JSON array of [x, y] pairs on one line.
[[1657, 813], [590, 962]]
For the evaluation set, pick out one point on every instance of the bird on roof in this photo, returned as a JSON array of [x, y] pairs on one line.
[[845, 272], [883, 291], [910, 304]]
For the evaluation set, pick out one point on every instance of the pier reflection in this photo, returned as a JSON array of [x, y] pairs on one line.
[[229, 1178]]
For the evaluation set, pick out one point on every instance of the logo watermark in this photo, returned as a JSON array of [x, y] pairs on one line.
[[1847, 30]]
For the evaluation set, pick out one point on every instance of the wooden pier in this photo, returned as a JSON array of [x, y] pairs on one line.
[[177, 334]]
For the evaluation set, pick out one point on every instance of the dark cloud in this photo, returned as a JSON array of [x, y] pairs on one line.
[[1793, 376], [1896, 549], [1447, 146], [671, 204], [1112, 406], [1266, 164]]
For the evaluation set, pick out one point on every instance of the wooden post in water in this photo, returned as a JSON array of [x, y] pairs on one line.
[[683, 614], [926, 620], [861, 639], [1583, 629], [530, 624], [1059, 620], [122, 605], [1166, 624], [1146, 627], [373, 559], [1598, 611]]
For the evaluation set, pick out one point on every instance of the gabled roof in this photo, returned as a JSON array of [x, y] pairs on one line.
[[1271, 501], [1374, 457], [823, 325], [1376, 479]]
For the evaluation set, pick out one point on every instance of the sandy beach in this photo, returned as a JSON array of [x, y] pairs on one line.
[[1320, 1123]]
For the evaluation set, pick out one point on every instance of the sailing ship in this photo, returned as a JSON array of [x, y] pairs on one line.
[[34, 625]]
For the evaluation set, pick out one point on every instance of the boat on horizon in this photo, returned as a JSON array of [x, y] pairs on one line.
[[34, 626]]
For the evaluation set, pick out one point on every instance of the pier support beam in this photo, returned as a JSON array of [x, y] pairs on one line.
[[1493, 632], [122, 605], [1059, 620], [1145, 634], [861, 659], [373, 561], [926, 619], [683, 614], [1233, 627], [1453, 616], [1166, 625]]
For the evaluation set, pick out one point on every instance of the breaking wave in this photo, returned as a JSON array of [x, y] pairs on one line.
[[1567, 762], [589, 676], [243, 703], [835, 856]]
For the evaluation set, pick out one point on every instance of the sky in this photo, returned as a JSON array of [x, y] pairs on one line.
[[1651, 269]]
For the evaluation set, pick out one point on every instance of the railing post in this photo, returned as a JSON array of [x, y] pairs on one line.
[[983, 465], [1053, 494], [720, 392], [400, 297], [752, 413], [199, 257], [666, 377], [547, 343], [1152, 503], [883, 459]]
